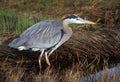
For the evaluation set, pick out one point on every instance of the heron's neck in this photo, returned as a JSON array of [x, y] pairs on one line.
[[66, 28]]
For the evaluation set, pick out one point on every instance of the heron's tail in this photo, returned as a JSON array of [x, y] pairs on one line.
[[16, 43], [13, 44]]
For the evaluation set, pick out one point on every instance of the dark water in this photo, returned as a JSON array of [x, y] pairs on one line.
[[109, 73]]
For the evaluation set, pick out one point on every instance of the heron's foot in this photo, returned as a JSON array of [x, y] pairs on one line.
[[48, 62], [47, 70]]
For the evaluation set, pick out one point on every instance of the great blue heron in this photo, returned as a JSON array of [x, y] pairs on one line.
[[46, 36]]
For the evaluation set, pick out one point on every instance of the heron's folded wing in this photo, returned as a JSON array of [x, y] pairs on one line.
[[41, 35]]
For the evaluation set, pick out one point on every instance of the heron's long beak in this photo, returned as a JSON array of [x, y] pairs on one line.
[[88, 22]]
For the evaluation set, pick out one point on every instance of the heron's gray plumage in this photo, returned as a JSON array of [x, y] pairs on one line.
[[41, 35]]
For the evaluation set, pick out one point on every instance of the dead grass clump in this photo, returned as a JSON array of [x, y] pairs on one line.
[[91, 46]]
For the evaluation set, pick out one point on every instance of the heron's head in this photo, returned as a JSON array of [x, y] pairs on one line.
[[76, 19]]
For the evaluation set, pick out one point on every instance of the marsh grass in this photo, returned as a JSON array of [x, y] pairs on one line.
[[18, 16], [15, 24], [11, 22]]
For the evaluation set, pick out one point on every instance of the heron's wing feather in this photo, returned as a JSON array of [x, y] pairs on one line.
[[41, 35]]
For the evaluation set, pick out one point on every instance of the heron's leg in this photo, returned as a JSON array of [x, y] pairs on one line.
[[47, 60], [40, 57], [50, 53], [53, 49]]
